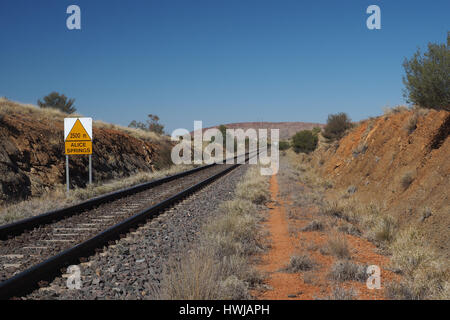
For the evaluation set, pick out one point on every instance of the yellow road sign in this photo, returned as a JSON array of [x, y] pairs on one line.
[[78, 140], [78, 147]]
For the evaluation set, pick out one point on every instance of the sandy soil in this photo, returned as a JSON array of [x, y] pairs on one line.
[[286, 219]]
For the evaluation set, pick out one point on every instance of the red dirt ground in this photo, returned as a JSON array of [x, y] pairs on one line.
[[292, 286]]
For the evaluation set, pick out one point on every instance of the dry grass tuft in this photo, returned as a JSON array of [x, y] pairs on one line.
[[421, 112], [425, 285], [194, 277], [426, 275], [385, 229], [238, 206], [345, 270], [219, 268], [314, 225], [303, 167], [299, 263], [8, 107], [11, 107], [339, 293], [233, 288], [137, 133], [411, 125], [410, 253], [376, 226], [397, 109], [332, 209], [348, 228], [345, 209], [337, 245], [255, 188], [234, 234]]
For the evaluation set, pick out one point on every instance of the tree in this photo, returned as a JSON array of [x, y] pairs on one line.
[[337, 125], [152, 124], [137, 125], [304, 141], [223, 130], [56, 101], [427, 77]]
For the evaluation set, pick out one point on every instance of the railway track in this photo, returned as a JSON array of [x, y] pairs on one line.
[[35, 250]]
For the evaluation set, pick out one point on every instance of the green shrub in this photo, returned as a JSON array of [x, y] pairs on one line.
[[304, 141], [427, 77], [337, 125], [152, 124], [284, 145], [316, 130], [407, 179], [58, 101]]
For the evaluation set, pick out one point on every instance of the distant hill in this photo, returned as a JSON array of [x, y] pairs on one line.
[[287, 129]]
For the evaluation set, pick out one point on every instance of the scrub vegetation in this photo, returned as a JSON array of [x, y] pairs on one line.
[[218, 266]]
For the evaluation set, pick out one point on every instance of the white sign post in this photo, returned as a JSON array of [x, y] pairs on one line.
[[78, 140]]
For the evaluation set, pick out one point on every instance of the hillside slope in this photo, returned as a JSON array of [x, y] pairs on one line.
[[32, 158], [400, 161]]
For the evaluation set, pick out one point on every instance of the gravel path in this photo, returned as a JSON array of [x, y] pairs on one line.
[[129, 269]]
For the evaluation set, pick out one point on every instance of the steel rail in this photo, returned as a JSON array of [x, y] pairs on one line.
[[28, 280], [21, 226]]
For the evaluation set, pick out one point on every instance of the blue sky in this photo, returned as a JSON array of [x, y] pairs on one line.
[[215, 60]]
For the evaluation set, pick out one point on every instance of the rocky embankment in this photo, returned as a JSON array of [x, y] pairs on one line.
[[399, 161], [32, 158]]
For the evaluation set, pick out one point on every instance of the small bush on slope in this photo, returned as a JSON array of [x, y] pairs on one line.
[[337, 125], [427, 77], [304, 141]]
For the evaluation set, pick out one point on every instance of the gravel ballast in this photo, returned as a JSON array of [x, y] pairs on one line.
[[134, 265], [39, 244]]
